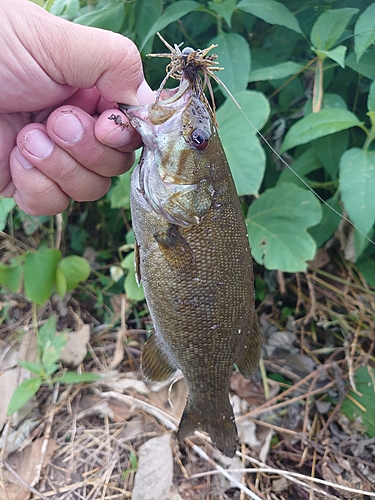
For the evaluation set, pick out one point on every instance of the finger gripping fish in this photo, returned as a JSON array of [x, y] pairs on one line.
[[192, 252]]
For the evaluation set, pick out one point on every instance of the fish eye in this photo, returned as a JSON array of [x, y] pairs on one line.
[[199, 138]]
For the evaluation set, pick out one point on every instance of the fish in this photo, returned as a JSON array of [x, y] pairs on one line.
[[192, 253]]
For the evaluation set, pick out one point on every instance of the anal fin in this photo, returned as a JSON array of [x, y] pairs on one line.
[[249, 359], [155, 362]]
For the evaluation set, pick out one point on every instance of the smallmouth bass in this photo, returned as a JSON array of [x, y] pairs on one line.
[[192, 254]]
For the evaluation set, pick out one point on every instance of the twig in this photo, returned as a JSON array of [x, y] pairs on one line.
[[22, 481], [222, 471]]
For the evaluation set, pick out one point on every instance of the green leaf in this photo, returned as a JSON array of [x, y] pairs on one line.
[[245, 155], [329, 150], [45, 334], [275, 72], [172, 13], [329, 101], [24, 392], [325, 122], [365, 67], [303, 165], [337, 54], [364, 31], [77, 378], [10, 276], [371, 98], [75, 270], [145, 14], [366, 266], [364, 380], [329, 223], [271, 12], [234, 56], [277, 222], [357, 186], [224, 10], [61, 286], [40, 271], [133, 291], [111, 17], [65, 8], [52, 352], [32, 367], [329, 27], [6, 206], [119, 195]]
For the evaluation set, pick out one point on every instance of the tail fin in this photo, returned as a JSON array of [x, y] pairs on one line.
[[220, 426]]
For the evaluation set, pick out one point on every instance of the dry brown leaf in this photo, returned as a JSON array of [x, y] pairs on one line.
[[154, 477], [25, 464], [351, 480], [75, 349]]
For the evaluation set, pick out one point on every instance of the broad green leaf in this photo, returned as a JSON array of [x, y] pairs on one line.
[[24, 392], [234, 56], [366, 266], [32, 367], [245, 155], [329, 223], [365, 66], [40, 271], [337, 54], [65, 8], [77, 378], [61, 286], [364, 31], [277, 224], [10, 276], [329, 27], [6, 206], [145, 14], [303, 165], [172, 13], [364, 380], [275, 72], [224, 10], [45, 334], [329, 101], [329, 150], [325, 122], [52, 352], [271, 12], [371, 97], [111, 17], [133, 291], [357, 186], [75, 270], [119, 195]]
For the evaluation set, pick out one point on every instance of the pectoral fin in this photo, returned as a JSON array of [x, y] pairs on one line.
[[155, 362], [249, 359], [175, 248], [137, 267]]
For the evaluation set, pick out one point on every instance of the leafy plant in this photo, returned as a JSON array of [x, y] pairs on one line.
[[49, 348], [43, 271]]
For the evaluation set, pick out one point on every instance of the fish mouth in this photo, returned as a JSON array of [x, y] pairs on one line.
[[161, 110]]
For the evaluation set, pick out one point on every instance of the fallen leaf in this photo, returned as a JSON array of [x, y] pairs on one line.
[[75, 349], [25, 463], [154, 476]]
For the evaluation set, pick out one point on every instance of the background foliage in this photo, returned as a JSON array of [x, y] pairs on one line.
[[303, 74]]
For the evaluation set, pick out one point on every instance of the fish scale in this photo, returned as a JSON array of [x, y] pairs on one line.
[[193, 258]]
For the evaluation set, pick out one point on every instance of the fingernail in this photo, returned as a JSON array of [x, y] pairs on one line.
[[22, 161], [68, 127], [144, 93], [38, 143]]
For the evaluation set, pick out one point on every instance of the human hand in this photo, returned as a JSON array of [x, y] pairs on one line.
[[57, 77]]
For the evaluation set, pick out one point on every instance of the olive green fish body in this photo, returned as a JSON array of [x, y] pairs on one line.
[[194, 261]]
